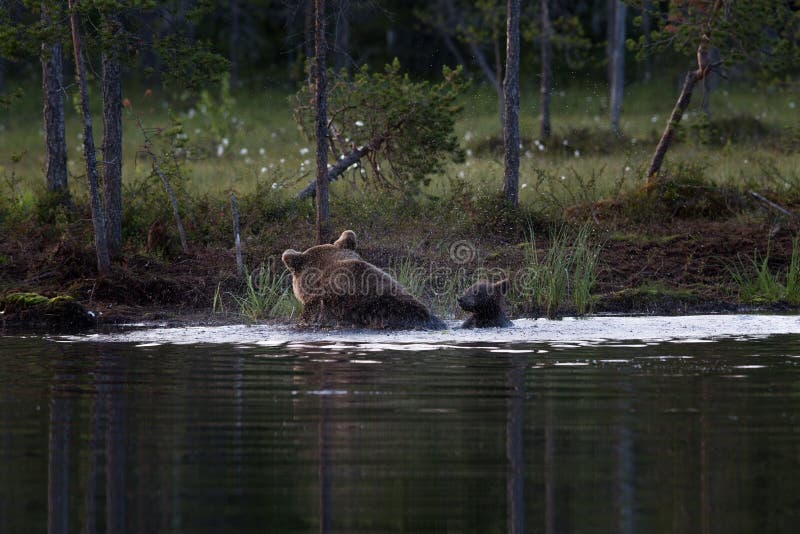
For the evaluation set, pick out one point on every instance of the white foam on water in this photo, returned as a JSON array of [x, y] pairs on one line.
[[569, 332]]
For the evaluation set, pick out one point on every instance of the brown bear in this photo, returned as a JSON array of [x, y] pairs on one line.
[[487, 303], [339, 289]]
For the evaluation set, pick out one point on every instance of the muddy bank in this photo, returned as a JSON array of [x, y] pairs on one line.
[[656, 262]]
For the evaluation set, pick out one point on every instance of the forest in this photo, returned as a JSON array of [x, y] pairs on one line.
[[638, 156]]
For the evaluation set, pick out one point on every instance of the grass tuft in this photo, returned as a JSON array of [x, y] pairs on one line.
[[793, 275], [563, 278], [758, 284], [266, 295]]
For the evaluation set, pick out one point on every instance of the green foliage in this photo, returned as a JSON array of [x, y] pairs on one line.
[[270, 203], [266, 295], [483, 22], [438, 288], [759, 284], [9, 99], [567, 35], [564, 276], [409, 125], [122, 26], [411, 276], [756, 283], [718, 132], [189, 63], [762, 33], [558, 194], [792, 295], [217, 113], [783, 184]]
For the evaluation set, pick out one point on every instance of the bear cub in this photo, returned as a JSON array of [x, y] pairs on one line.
[[486, 301]]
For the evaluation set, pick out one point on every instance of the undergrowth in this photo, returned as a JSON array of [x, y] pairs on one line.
[[758, 283], [561, 277], [266, 295]]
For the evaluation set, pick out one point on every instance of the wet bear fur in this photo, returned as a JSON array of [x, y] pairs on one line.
[[339, 289], [486, 301]]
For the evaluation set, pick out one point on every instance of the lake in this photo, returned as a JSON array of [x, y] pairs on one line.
[[609, 424]]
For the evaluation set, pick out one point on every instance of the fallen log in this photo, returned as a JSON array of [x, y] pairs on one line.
[[344, 163], [773, 205]]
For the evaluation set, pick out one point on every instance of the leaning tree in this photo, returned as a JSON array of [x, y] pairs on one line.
[[762, 34]]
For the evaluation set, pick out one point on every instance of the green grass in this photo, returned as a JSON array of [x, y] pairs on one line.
[[792, 295], [264, 144], [439, 290], [266, 295], [757, 283], [562, 277]]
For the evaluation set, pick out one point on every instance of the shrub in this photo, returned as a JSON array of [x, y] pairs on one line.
[[408, 125]]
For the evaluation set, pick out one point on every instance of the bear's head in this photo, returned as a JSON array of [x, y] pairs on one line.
[[483, 296], [309, 268]]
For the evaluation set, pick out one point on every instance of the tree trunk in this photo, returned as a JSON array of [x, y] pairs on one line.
[[112, 141], [55, 143], [685, 97], [547, 70], [511, 94], [234, 43], [617, 61], [321, 105], [708, 56], [237, 236], [98, 219], [341, 34]]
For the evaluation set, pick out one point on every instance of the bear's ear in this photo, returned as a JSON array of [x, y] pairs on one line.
[[502, 286], [292, 259], [346, 240]]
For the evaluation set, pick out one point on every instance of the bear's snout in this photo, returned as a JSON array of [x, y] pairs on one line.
[[467, 302]]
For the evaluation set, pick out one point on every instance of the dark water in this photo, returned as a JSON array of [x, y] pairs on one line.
[[668, 437]]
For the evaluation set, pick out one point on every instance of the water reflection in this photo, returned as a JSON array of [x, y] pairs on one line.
[[62, 409], [514, 449], [324, 454], [115, 438]]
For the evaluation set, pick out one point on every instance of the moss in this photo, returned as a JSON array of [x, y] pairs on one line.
[[21, 301], [33, 309]]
